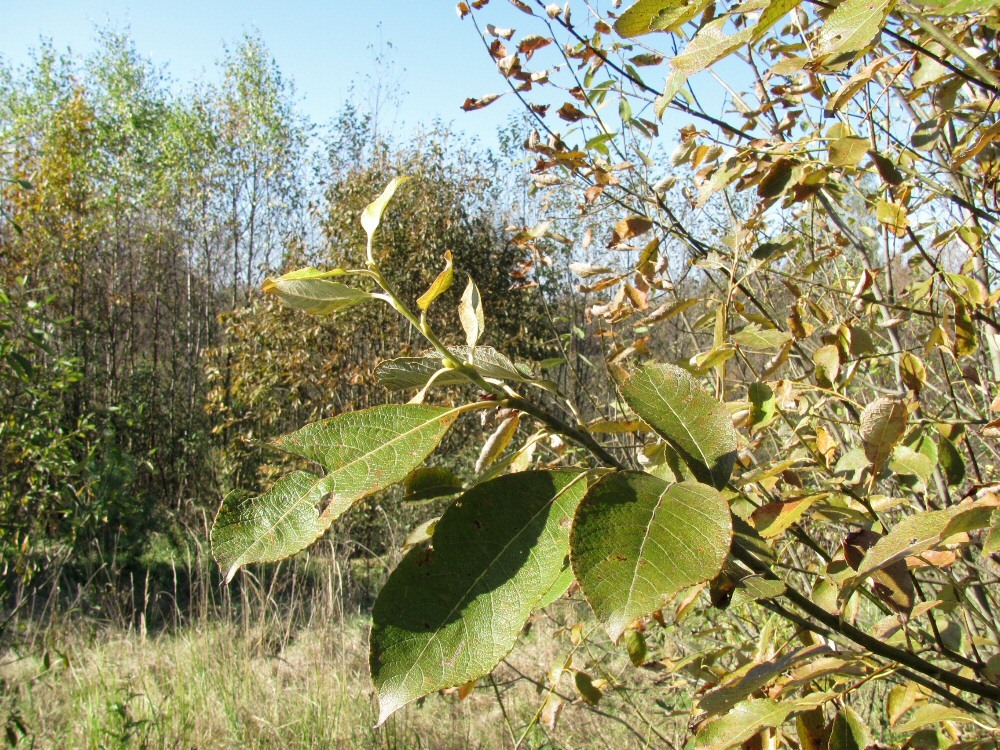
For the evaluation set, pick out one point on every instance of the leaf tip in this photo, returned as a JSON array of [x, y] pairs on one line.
[[615, 627], [388, 704]]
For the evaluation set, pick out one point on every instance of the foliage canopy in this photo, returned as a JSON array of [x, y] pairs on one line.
[[797, 311]]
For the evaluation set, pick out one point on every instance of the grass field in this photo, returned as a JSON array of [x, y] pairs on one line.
[[279, 661]]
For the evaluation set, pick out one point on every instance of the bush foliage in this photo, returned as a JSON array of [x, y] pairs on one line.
[[796, 435]]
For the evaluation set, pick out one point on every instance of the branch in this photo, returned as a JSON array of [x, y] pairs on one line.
[[863, 639]]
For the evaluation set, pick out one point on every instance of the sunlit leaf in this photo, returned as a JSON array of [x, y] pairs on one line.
[[763, 405], [362, 451], [674, 404], [912, 371], [761, 340], [635, 644], [882, 425], [849, 151], [638, 541], [414, 372], [440, 285], [933, 714], [905, 460], [893, 216], [751, 679], [655, 15], [470, 312], [497, 442], [852, 26], [923, 531], [630, 227], [773, 519], [314, 295], [450, 612], [741, 723], [372, 215]]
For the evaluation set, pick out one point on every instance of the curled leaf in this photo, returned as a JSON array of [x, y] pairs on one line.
[[439, 286], [372, 215], [883, 423], [470, 312]]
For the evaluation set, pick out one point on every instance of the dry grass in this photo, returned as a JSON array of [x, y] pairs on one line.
[[255, 682]]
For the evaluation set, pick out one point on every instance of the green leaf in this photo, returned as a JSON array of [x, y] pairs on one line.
[[363, 451], [284, 520], [852, 26], [372, 215], [637, 541], [312, 294], [893, 216], [744, 721], [757, 340], [681, 411], [712, 44], [777, 179], [414, 372], [646, 16], [951, 461], [311, 273], [763, 405], [635, 644], [848, 732], [923, 531], [449, 613], [559, 587], [991, 544], [586, 688], [932, 714], [966, 339], [470, 312], [905, 460], [439, 286], [848, 151], [969, 289], [497, 442], [773, 519], [753, 677], [913, 372], [429, 482], [624, 109]]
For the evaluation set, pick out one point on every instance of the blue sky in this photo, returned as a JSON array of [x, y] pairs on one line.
[[321, 46]]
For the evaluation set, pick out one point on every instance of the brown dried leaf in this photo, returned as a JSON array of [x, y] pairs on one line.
[[498, 32], [570, 113], [474, 104], [883, 423], [531, 43], [630, 227]]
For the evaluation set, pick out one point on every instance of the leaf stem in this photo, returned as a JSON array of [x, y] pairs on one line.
[[517, 402]]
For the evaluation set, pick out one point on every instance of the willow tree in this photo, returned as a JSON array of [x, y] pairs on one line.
[[788, 504]]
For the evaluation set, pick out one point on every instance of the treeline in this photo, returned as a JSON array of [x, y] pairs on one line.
[[141, 371]]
